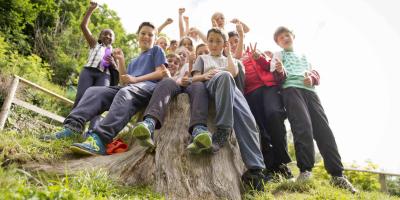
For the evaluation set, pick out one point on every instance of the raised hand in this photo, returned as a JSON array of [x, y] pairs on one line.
[[235, 21], [186, 19], [254, 52], [227, 49], [239, 29], [181, 11], [214, 23], [278, 65], [169, 21], [93, 5]]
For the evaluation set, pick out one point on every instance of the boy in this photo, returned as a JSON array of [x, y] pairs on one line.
[[305, 113]]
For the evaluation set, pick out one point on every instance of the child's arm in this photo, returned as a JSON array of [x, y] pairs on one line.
[[167, 22], [239, 49], [198, 67], [186, 19], [246, 29], [181, 29], [232, 68], [160, 72], [201, 34], [85, 23], [311, 78], [279, 72]]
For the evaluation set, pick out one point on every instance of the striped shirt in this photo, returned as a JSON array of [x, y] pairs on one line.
[[96, 54]]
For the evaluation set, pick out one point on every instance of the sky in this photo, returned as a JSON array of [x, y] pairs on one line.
[[352, 44]]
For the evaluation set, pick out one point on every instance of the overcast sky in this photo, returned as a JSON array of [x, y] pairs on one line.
[[353, 44]]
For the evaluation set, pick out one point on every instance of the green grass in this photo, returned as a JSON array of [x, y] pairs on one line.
[[18, 147]]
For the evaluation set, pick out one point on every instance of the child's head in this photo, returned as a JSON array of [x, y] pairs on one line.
[[193, 33], [183, 53], [233, 40], [174, 62], [173, 45], [162, 42], [202, 49], [219, 18], [146, 35], [106, 37], [187, 43], [216, 41], [284, 37]]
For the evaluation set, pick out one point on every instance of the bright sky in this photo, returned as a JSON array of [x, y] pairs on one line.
[[353, 45]]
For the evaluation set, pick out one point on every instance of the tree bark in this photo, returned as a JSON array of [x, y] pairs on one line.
[[170, 170]]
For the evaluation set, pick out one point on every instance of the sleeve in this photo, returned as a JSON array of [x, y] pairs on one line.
[[198, 65], [279, 76], [159, 57], [277, 55]]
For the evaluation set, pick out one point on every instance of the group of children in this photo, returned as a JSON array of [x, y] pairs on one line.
[[253, 94]]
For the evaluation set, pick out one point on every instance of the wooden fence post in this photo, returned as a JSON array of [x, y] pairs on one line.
[[382, 181], [5, 109]]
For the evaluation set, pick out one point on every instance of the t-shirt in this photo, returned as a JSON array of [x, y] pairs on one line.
[[205, 63], [296, 66], [96, 55], [179, 74], [146, 63]]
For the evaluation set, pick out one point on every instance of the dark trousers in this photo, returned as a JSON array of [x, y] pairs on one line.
[[89, 77], [267, 107], [121, 102], [167, 89], [308, 120]]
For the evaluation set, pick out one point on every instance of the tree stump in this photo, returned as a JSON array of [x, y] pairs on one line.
[[170, 169]]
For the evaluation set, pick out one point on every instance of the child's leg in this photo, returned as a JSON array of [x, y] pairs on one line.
[[100, 79], [222, 88], [86, 80], [198, 104], [246, 133], [300, 123], [267, 108], [162, 95], [95, 101], [126, 103], [323, 135]]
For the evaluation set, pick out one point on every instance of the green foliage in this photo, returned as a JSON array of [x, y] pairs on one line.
[[393, 185], [363, 180]]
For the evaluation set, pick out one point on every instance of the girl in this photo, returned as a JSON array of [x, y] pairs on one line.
[[232, 111], [96, 71]]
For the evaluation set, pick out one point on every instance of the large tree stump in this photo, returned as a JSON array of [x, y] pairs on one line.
[[171, 170]]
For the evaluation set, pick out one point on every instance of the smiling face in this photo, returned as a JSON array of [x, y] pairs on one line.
[[146, 37], [202, 50], [216, 43], [219, 19], [162, 42], [184, 54], [173, 63], [107, 37], [233, 41], [187, 43]]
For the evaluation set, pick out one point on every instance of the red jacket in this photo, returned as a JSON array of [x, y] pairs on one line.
[[257, 73]]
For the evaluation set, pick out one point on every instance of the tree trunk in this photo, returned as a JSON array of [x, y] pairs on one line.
[[171, 170]]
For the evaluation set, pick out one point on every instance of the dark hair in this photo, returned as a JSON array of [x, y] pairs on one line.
[[149, 24], [172, 42], [233, 34], [280, 30], [186, 38], [104, 30], [199, 46], [217, 31]]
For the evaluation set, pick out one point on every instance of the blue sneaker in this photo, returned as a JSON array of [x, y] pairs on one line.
[[143, 131], [201, 142], [63, 134], [91, 146]]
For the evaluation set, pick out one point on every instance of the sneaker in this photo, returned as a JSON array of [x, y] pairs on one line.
[[201, 141], [255, 179], [304, 176], [344, 183], [219, 139], [91, 146], [63, 134], [143, 131]]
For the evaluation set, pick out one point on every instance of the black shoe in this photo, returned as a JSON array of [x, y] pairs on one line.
[[255, 179], [284, 171], [219, 139]]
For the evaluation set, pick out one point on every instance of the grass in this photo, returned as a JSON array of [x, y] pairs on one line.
[[18, 147]]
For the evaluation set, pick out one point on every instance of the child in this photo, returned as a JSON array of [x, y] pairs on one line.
[[173, 45], [162, 42], [164, 92], [121, 102], [96, 71], [232, 111], [195, 34], [187, 43], [218, 20], [262, 93], [305, 113]]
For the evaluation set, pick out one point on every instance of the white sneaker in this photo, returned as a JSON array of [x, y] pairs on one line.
[[304, 176]]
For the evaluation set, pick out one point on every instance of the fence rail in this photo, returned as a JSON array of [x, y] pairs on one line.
[[11, 99]]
